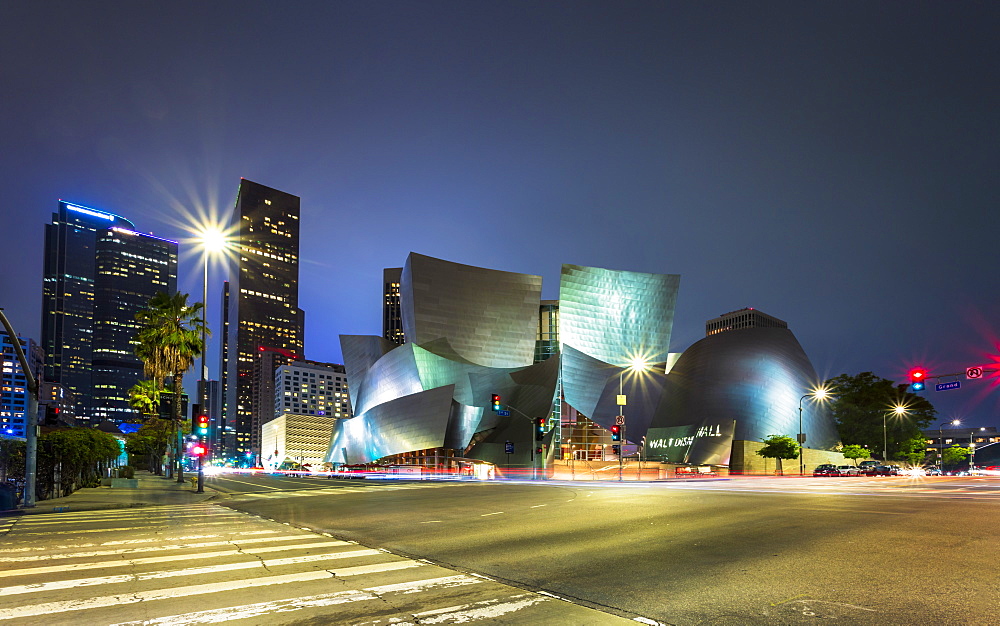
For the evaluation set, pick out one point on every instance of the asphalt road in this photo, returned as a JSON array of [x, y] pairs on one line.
[[744, 551]]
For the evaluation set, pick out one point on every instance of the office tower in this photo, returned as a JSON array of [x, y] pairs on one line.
[[130, 269], [268, 360], [14, 384], [98, 274], [744, 318], [311, 388], [263, 297], [392, 316]]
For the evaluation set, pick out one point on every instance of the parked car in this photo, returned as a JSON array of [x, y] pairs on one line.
[[864, 466], [848, 470], [882, 470], [826, 469]]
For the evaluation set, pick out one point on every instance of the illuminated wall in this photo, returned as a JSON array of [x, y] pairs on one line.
[[470, 332], [608, 320], [755, 376]]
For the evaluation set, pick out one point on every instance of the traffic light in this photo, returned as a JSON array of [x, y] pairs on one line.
[[201, 425], [496, 402], [616, 432], [616, 449], [199, 449], [918, 379], [539, 428]]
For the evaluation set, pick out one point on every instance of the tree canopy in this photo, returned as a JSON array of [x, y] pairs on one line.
[[861, 404]]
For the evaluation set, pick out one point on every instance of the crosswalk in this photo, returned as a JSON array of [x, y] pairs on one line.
[[205, 564]]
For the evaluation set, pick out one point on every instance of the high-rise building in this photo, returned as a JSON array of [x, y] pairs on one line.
[[14, 384], [311, 388], [99, 272], [130, 269], [744, 318], [392, 316], [266, 362], [262, 296]]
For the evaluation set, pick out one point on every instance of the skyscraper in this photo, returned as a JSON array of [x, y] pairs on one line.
[[263, 297], [98, 274], [392, 316], [130, 269]]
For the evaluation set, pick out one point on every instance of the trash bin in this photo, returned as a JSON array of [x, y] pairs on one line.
[[8, 498]]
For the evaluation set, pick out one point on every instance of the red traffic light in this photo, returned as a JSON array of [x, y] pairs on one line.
[[616, 432], [918, 374], [198, 450]]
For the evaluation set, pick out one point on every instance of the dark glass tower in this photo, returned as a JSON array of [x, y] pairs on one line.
[[392, 315], [87, 250], [130, 269], [263, 298]]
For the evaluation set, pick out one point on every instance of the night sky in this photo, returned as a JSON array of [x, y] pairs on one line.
[[831, 163]]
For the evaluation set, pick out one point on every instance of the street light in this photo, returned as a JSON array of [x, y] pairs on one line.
[[954, 422], [212, 240], [898, 410], [972, 450], [636, 364], [819, 393]]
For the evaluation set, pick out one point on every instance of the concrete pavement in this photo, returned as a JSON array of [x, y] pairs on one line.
[[151, 490]]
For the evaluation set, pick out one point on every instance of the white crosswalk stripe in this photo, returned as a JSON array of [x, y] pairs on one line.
[[255, 570]]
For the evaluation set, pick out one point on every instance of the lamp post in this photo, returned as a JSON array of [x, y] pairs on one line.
[[941, 443], [635, 365], [897, 410], [211, 241], [820, 393], [972, 450]]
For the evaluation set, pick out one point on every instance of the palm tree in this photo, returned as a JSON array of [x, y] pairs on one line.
[[168, 344], [144, 396]]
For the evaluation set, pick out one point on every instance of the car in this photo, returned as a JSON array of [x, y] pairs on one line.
[[826, 469], [882, 470], [848, 470], [932, 471], [864, 466]]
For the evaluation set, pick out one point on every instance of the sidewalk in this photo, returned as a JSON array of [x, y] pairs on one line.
[[152, 491]]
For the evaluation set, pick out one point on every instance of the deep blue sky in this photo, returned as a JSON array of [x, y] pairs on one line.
[[830, 163]]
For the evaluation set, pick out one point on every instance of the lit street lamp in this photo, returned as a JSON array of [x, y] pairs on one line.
[[899, 410], [211, 240], [636, 365], [941, 442], [820, 393]]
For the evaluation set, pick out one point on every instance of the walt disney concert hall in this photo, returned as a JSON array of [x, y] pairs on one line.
[[473, 333]]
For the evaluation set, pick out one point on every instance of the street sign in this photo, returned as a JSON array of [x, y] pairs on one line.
[[946, 386], [619, 420], [503, 413], [621, 400], [974, 372], [508, 448]]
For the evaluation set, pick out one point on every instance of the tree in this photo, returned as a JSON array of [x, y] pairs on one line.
[[863, 403], [954, 455], [168, 343], [779, 447], [149, 443], [855, 452], [144, 396], [913, 451]]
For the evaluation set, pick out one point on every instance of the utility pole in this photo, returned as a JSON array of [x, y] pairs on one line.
[[31, 421]]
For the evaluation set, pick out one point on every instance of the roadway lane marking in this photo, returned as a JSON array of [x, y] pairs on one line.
[[134, 542], [153, 560], [237, 547], [478, 611], [99, 602], [261, 609], [121, 529], [243, 482], [538, 506], [433, 521], [191, 571], [488, 514], [146, 518]]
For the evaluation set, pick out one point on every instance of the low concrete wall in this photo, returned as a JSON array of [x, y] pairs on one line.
[[125, 483], [745, 460]]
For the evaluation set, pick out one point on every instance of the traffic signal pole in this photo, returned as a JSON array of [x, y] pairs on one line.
[[31, 419]]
